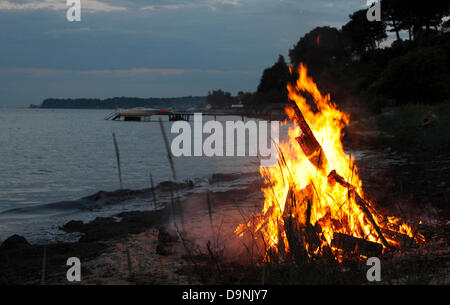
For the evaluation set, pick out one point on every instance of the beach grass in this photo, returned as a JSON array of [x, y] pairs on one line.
[[116, 148]]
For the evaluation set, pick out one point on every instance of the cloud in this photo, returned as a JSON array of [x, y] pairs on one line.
[[179, 4], [97, 5], [133, 71], [119, 72], [168, 6], [172, 47], [57, 5]]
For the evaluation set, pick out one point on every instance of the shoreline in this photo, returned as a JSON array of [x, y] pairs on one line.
[[106, 241], [21, 262], [47, 216], [142, 247]]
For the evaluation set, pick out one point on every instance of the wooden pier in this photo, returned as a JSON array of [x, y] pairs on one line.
[[146, 114]]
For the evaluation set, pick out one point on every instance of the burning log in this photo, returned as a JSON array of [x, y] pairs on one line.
[[356, 245], [293, 227], [302, 238], [294, 198], [403, 239], [306, 221], [314, 152], [308, 142], [335, 177], [294, 236], [311, 234]]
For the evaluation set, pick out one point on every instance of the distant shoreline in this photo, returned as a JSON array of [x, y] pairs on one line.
[[185, 102]]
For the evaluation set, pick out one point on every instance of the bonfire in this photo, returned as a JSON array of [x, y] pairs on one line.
[[314, 200]]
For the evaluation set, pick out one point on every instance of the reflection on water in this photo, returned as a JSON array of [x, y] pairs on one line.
[[51, 158], [61, 155], [54, 155]]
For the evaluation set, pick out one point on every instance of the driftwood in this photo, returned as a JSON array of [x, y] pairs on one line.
[[350, 244]]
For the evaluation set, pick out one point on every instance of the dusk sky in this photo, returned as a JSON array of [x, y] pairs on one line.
[[153, 48]]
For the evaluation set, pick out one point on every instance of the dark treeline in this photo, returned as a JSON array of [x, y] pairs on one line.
[[350, 65], [125, 102]]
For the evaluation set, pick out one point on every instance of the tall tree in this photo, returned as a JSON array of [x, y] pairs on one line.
[[425, 17], [276, 77], [272, 87], [394, 13], [319, 48], [220, 99], [362, 33], [419, 18]]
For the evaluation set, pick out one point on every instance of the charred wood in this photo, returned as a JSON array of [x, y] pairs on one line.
[[403, 239], [335, 177], [350, 244], [308, 141]]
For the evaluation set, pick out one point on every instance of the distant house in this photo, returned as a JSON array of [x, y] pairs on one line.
[[237, 106], [356, 57]]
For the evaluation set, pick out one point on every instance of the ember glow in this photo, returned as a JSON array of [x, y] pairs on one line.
[[315, 188]]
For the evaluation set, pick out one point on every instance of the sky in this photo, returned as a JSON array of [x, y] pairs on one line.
[[152, 48]]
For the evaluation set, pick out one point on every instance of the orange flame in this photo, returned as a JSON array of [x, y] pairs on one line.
[[296, 188]]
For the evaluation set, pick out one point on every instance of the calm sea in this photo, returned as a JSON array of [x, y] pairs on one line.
[[50, 156]]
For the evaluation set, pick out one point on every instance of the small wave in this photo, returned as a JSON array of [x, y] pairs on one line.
[[231, 177], [97, 200]]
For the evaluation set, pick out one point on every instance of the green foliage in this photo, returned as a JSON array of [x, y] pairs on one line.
[[421, 75], [129, 263], [394, 14], [363, 34], [417, 17], [319, 48], [271, 89], [405, 124], [260, 100], [219, 99], [123, 102], [275, 78], [414, 70], [116, 149]]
